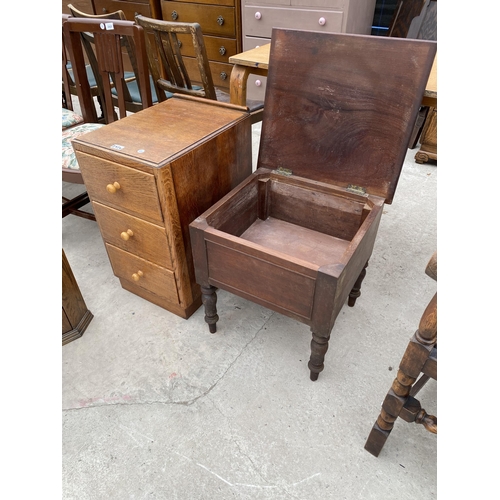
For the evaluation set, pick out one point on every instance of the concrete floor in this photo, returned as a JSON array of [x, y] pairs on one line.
[[154, 406]]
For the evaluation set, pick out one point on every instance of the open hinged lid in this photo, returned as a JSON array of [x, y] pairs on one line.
[[340, 108]]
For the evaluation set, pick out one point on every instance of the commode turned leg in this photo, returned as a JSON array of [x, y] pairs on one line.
[[356, 289], [319, 346], [209, 299]]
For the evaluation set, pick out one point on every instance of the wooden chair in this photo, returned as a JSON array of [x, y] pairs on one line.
[[73, 126], [132, 96], [110, 67], [418, 365], [68, 81], [174, 73]]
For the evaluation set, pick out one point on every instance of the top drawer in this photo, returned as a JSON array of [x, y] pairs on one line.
[[213, 19], [130, 9], [259, 21], [134, 191]]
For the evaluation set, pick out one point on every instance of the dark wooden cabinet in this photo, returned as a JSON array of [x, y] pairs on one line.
[[220, 21]]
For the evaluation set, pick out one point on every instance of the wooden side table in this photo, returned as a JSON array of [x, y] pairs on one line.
[[75, 315]]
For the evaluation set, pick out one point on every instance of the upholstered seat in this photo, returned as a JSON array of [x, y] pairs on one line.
[[70, 133], [73, 126], [70, 118]]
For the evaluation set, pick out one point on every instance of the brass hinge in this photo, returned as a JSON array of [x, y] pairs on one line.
[[356, 189], [283, 171]]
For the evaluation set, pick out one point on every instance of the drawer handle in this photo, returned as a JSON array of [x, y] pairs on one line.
[[258, 15], [258, 83], [222, 51], [127, 234], [137, 276], [223, 75], [322, 21], [174, 15], [112, 188], [220, 20]]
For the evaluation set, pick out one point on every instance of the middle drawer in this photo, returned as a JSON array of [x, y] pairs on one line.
[[134, 235]]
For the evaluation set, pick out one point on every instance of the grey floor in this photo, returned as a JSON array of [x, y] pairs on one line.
[[154, 406]]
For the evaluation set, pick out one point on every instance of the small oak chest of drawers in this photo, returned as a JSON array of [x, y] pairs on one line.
[[259, 17], [149, 176], [220, 22]]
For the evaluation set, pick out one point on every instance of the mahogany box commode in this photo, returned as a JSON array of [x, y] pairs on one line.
[[297, 234]]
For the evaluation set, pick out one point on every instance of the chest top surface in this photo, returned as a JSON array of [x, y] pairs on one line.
[[159, 134], [340, 108]]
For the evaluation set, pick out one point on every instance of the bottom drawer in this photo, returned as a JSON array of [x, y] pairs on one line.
[[143, 273]]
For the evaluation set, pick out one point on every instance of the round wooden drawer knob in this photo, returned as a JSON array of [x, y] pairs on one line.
[[112, 188], [137, 276], [258, 15], [258, 83], [127, 234], [322, 21]]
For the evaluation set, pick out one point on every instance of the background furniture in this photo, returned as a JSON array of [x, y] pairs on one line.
[[75, 315], [109, 61], [296, 236], [419, 360], [417, 19], [111, 68], [131, 8], [328, 16], [72, 126], [149, 175], [220, 22], [405, 12], [169, 71]]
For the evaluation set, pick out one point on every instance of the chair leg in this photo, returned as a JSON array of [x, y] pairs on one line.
[[398, 401], [356, 289], [73, 206], [209, 300]]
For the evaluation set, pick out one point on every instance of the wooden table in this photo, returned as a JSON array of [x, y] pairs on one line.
[[256, 61]]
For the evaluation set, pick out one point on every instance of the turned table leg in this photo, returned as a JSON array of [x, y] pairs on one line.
[[209, 300], [356, 289], [319, 346]]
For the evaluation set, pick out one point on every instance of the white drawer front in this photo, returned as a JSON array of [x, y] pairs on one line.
[[256, 85], [259, 21]]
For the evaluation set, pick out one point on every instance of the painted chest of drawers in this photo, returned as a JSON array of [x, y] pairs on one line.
[[220, 22], [148, 176], [259, 17]]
